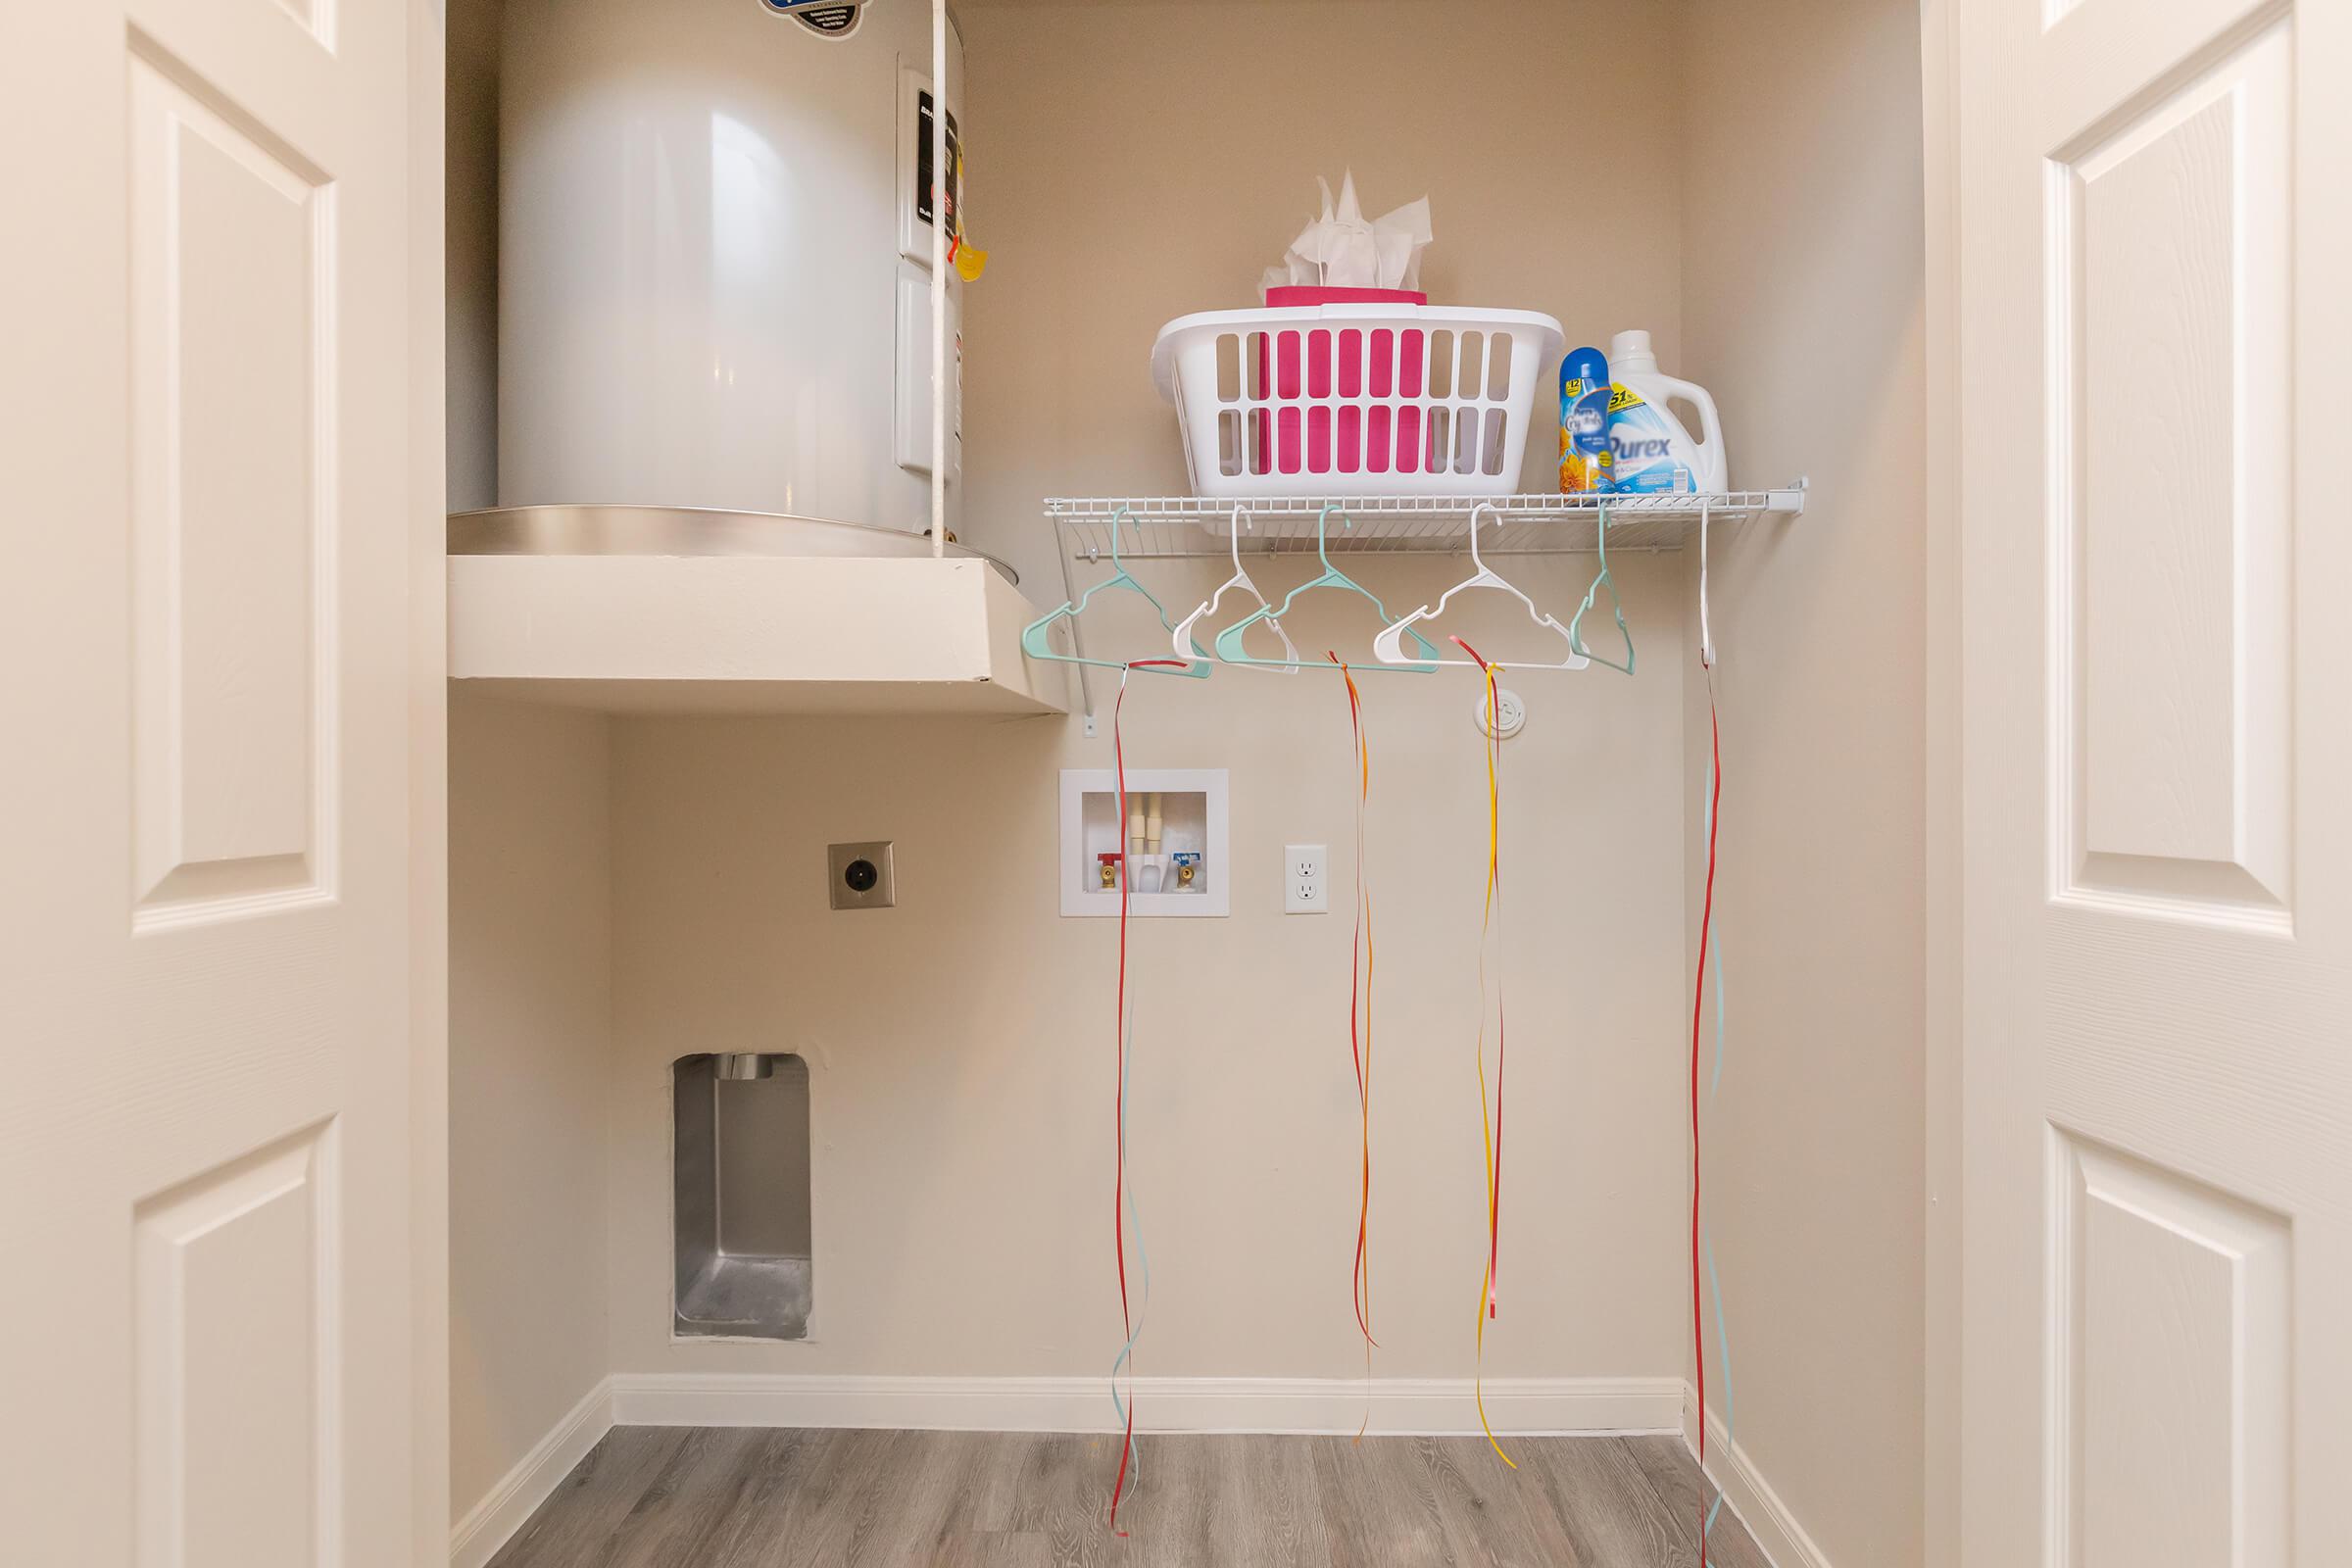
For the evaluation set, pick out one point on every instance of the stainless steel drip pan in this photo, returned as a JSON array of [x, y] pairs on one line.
[[741, 1197], [623, 531]]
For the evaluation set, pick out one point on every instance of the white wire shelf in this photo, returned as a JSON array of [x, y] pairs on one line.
[[1174, 527]]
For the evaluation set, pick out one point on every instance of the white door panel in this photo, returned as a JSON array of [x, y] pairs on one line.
[[205, 1182], [2157, 884]]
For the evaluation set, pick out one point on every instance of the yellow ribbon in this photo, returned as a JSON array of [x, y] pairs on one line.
[[1489, 1119]]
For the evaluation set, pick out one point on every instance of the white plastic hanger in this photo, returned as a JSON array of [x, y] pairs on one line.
[[1240, 580], [1388, 645]]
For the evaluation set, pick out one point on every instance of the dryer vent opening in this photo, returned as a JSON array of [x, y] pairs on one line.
[[740, 1196]]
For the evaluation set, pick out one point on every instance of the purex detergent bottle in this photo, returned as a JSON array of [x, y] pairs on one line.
[[1653, 454]]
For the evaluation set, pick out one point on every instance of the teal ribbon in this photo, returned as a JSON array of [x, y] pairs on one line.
[[1715, 940], [1723, 1342]]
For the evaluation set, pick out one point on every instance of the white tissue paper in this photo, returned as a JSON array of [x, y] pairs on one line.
[[1342, 250]]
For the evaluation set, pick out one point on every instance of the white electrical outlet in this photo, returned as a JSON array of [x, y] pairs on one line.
[[1303, 889], [1510, 714]]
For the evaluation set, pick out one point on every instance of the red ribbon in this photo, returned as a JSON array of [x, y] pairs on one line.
[[1118, 1191], [1706, 924]]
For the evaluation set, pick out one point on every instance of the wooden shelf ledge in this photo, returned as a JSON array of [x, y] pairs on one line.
[[745, 634]]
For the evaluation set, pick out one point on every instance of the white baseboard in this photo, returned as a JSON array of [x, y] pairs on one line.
[[492, 1522], [1439, 1406], [1747, 1494]]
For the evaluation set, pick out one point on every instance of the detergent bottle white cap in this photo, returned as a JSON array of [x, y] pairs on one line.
[[1631, 350]]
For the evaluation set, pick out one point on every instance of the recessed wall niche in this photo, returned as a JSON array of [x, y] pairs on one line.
[[740, 1175]]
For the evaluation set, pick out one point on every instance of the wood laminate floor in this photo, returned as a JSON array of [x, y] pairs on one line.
[[756, 1497]]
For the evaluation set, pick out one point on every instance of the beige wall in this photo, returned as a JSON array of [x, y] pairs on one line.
[[469, 121], [959, 1045], [1809, 329], [428, 776], [1133, 162], [530, 949]]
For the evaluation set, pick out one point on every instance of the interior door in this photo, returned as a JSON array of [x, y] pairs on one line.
[[205, 1313], [2156, 1026]]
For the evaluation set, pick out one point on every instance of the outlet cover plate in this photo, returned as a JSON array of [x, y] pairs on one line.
[[871, 888], [1305, 879], [1512, 712]]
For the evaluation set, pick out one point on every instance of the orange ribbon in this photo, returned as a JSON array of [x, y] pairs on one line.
[[1359, 1033], [1489, 1113]]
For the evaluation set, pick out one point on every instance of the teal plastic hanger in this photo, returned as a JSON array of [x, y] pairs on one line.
[[1229, 641], [1602, 581], [1033, 635], [1240, 580]]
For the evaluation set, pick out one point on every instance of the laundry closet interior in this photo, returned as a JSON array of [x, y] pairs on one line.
[[786, 950]]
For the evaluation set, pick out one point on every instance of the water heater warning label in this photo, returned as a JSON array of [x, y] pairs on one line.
[[922, 164], [833, 17]]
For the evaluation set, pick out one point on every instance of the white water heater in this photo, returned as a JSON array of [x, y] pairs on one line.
[[715, 235]]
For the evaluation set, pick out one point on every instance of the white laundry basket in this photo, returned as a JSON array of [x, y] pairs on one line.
[[1357, 399]]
